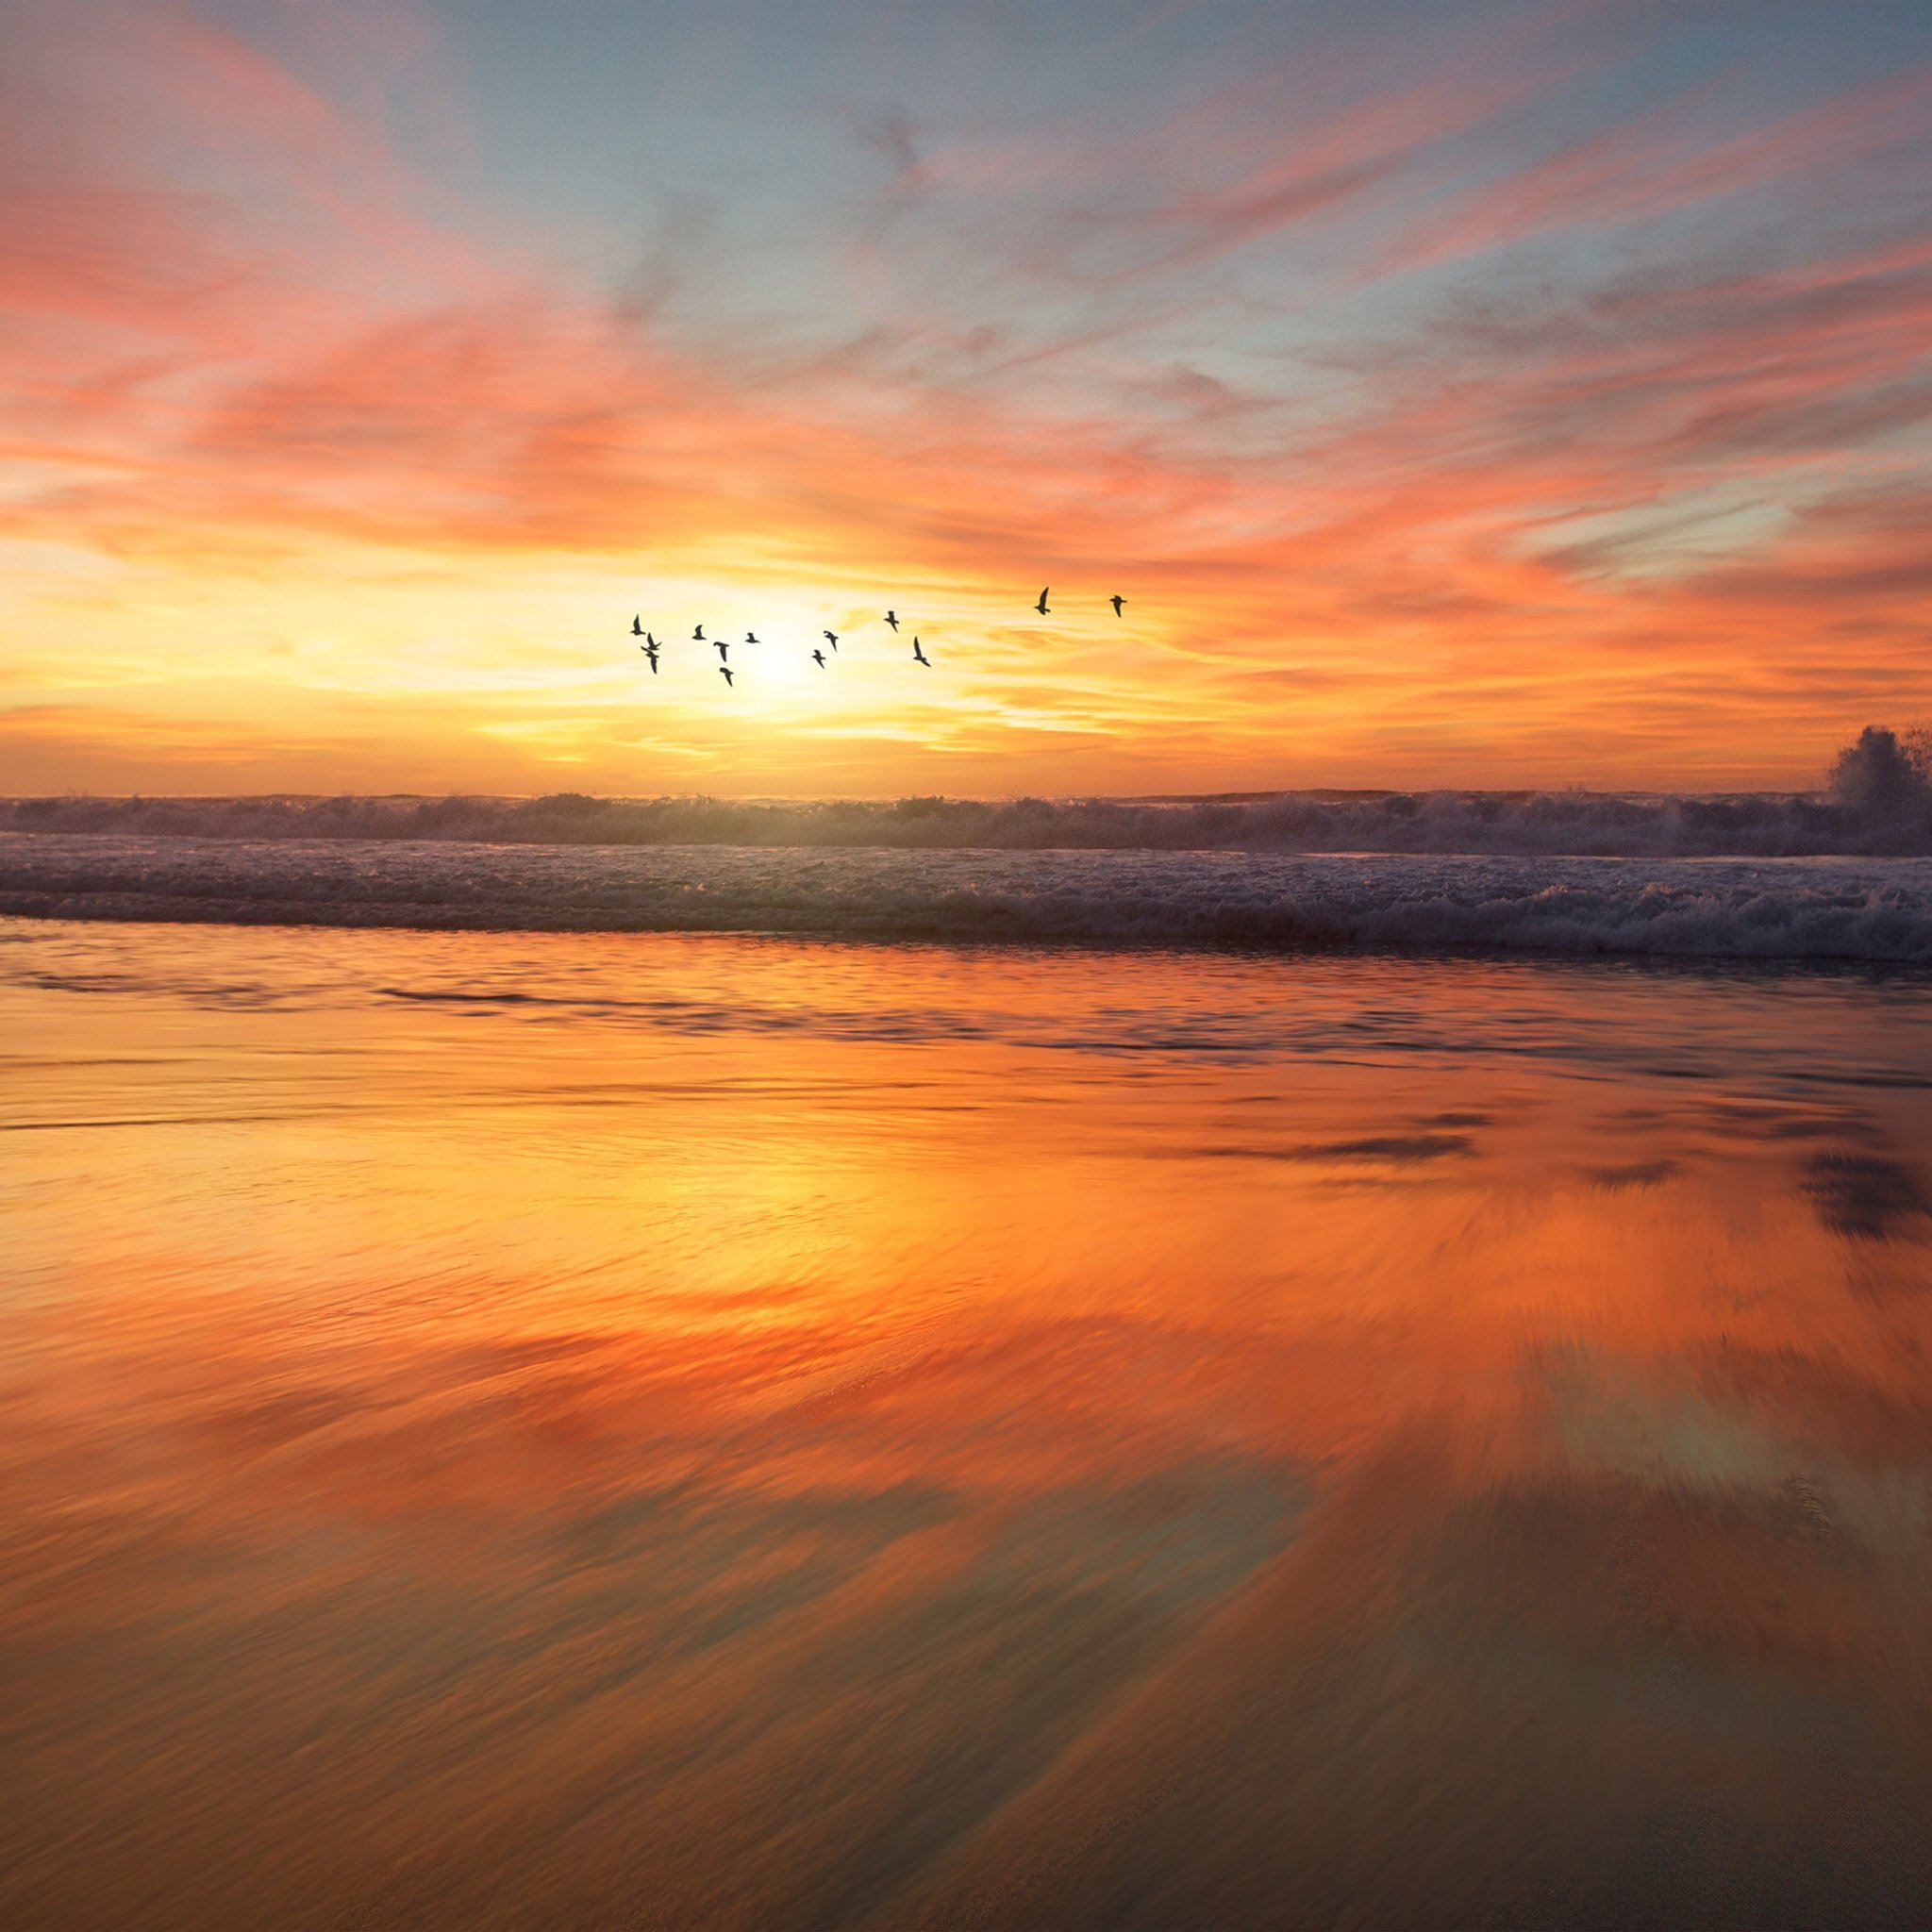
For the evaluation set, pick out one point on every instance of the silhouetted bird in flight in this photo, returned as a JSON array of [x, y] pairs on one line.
[[1040, 607], [725, 672], [697, 637], [1116, 601], [919, 657], [723, 650], [892, 618], [751, 637], [818, 657], [831, 637], [651, 651], [637, 626]]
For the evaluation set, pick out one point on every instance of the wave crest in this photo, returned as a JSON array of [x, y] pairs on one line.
[[1712, 909], [1873, 810]]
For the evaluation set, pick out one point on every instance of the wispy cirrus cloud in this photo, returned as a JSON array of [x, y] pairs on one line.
[[1667, 160]]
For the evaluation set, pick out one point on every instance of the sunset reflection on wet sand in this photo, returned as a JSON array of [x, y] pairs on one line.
[[585, 1431]]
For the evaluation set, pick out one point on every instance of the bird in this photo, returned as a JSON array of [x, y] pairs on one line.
[[723, 650], [1040, 607], [892, 618], [651, 651], [919, 657], [637, 626], [697, 637], [723, 671], [751, 637], [818, 657], [1116, 600], [831, 637]]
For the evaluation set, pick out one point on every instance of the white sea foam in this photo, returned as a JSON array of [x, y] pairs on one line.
[[1839, 908]]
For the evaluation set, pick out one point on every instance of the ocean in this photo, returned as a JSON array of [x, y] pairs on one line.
[[1768, 909], [605, 1383]]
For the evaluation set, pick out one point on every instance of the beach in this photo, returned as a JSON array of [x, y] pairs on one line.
[[771, 1429], [966, 967]]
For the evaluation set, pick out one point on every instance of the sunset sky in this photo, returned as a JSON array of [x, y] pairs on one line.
[[1459, 394]]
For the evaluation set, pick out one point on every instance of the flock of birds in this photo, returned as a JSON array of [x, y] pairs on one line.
[[651, 647]]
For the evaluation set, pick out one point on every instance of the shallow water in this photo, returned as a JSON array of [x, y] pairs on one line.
[[584, 1431]]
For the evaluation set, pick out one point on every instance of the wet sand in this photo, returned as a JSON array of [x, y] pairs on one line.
[[608, 1431]]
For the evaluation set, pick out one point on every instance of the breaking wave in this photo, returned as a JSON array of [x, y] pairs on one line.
[[1839, 909], [1529, 823]]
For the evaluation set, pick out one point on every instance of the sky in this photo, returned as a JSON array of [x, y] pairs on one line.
[[1458, 393]]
